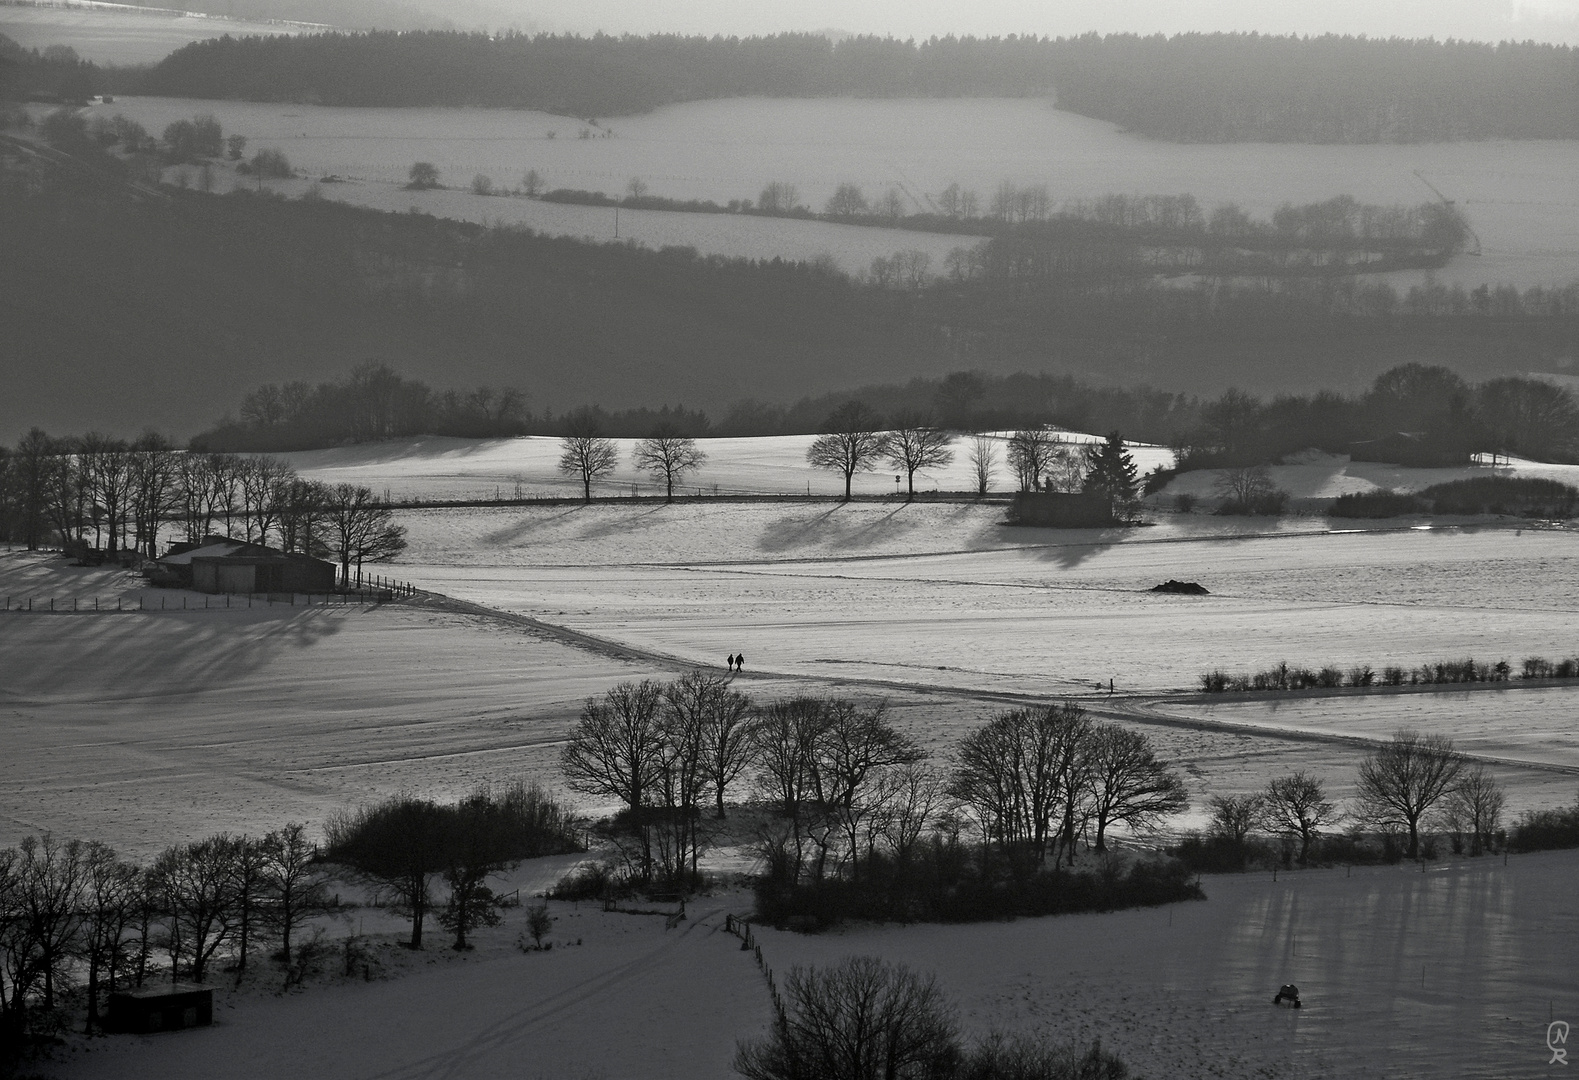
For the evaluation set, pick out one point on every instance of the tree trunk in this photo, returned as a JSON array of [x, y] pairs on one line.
[[848, 476]]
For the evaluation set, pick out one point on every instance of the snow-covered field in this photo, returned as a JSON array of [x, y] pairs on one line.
[[144, 729], [1520, 197], [121, 33], [856, 591], [1452, 973]]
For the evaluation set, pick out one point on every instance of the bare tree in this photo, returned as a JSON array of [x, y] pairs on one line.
[[1404, 778], [474, 848], [111, 891], [1031, 454], [1129, 785], [914, 443], [585, 453], [613, 751], [358, 529], [862, 1019], [198, 883], [1234, 816], [721, 718], [667, 457], [983, 460], [779, 198], [398, 845], [847, 202], [851, 445], [1244, 487], [51, 881], [293, 884], [1023, 776], [856, 744], [1474, 805], [1297, 805], [531, 184]]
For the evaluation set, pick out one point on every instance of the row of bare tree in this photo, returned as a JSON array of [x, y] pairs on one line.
[[127, 495], [73, 912], [1409, 783], [843, 783]]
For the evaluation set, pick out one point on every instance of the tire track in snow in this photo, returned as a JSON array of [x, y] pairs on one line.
[[510, 1028]]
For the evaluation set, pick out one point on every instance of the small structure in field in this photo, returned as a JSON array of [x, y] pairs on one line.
[[167, 1007], [1183, 588], [222, 564]]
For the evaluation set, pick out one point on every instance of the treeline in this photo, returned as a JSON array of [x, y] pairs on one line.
[[55, 73], [1112, 237], [859, 824], [1189, 88], [127, 495], [1525, 496], [1443, 672], [1413, 791], [1411, 415], [79, 922]]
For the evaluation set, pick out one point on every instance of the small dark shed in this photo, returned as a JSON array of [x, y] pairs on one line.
[[160, 1008]]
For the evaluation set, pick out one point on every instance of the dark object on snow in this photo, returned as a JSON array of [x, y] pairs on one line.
[[1186, 588], [1062, 510], [165, 1008], [1287, 992]]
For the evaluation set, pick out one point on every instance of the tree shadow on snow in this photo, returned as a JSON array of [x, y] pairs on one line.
[[823, 530]]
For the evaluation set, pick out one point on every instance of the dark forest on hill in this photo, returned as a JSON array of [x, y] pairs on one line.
[[1187, 88], [126, 307]]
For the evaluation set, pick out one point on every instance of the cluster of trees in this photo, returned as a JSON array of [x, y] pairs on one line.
[[851, 796], [74, 913], [1406, 786], [1190, 87], [129, 494], [666, 455], [406, 845], [1412, 414], [125, 147], [865, 1019], [373, 402], [76, 916]]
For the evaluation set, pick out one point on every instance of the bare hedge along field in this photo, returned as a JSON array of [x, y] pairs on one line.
[[1521, 197]]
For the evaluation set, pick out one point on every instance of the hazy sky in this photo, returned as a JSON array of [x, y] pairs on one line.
[[1547, 20]]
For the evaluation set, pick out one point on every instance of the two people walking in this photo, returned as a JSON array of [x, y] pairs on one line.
[[737, 663]]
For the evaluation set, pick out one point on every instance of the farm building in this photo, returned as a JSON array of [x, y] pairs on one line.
[[160, 1008], [221, 564]]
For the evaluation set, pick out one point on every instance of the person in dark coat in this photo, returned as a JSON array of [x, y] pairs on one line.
[[740, 662], [731, 661]]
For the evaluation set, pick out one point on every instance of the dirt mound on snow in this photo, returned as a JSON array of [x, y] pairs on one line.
[[1186, 588]]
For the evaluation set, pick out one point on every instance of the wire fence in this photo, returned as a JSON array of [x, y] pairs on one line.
[[185, 601]]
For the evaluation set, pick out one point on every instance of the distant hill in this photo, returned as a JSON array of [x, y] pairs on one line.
[[123, 310], [1189, 88]]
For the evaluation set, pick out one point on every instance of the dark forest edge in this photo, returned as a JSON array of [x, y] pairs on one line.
[[1187, 88], [1448, 421]]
